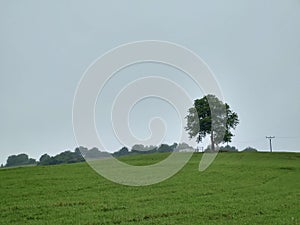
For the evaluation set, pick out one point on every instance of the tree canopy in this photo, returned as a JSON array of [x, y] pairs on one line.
[[210, 116], [19, 160]]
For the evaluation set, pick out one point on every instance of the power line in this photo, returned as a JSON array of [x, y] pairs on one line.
[[290, 137], [270, 139]]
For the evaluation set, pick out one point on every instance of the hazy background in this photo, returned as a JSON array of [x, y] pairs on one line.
[[253, 48]]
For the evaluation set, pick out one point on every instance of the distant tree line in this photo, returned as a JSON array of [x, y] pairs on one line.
[[82, 153], [141, 149], [228, 148], [63, 157], [21, 159]]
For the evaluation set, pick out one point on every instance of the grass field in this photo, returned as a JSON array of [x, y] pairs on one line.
[[238, 188]]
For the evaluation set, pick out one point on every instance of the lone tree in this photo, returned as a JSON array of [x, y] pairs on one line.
[[210, 116]]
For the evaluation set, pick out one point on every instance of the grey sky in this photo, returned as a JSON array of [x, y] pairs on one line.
[[253, 48]]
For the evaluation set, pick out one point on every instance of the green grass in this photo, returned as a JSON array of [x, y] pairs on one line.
[[238, 188]]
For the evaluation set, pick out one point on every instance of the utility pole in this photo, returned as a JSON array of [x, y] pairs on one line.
[[270, 139]]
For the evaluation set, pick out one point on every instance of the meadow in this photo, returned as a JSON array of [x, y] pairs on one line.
[[238, 188]]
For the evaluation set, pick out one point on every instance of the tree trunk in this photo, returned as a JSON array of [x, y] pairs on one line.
[[212, 141]]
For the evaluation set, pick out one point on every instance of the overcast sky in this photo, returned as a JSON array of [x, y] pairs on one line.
[[252, 46]]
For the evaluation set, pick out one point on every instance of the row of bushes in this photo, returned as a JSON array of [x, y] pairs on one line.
[[229, 148], [82, 153], [21, 159]]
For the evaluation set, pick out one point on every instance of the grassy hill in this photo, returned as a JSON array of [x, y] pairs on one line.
[[238, 188]]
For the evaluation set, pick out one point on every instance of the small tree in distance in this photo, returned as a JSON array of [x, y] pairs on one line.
[[19, 160], [201, 122], [250, 149]]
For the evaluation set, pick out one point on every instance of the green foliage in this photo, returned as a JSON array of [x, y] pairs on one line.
[[94, 153], [238, 188], [61, 158], [250, 149], [228, 148], [82, 153], [81, 150], [183, 146], [45, 160], [123, 151], [201, 121], [19, 160], [140, 149], [66, 157], [167, 148]]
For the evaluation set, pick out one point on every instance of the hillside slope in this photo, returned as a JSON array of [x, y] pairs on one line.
[[238, 188]]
